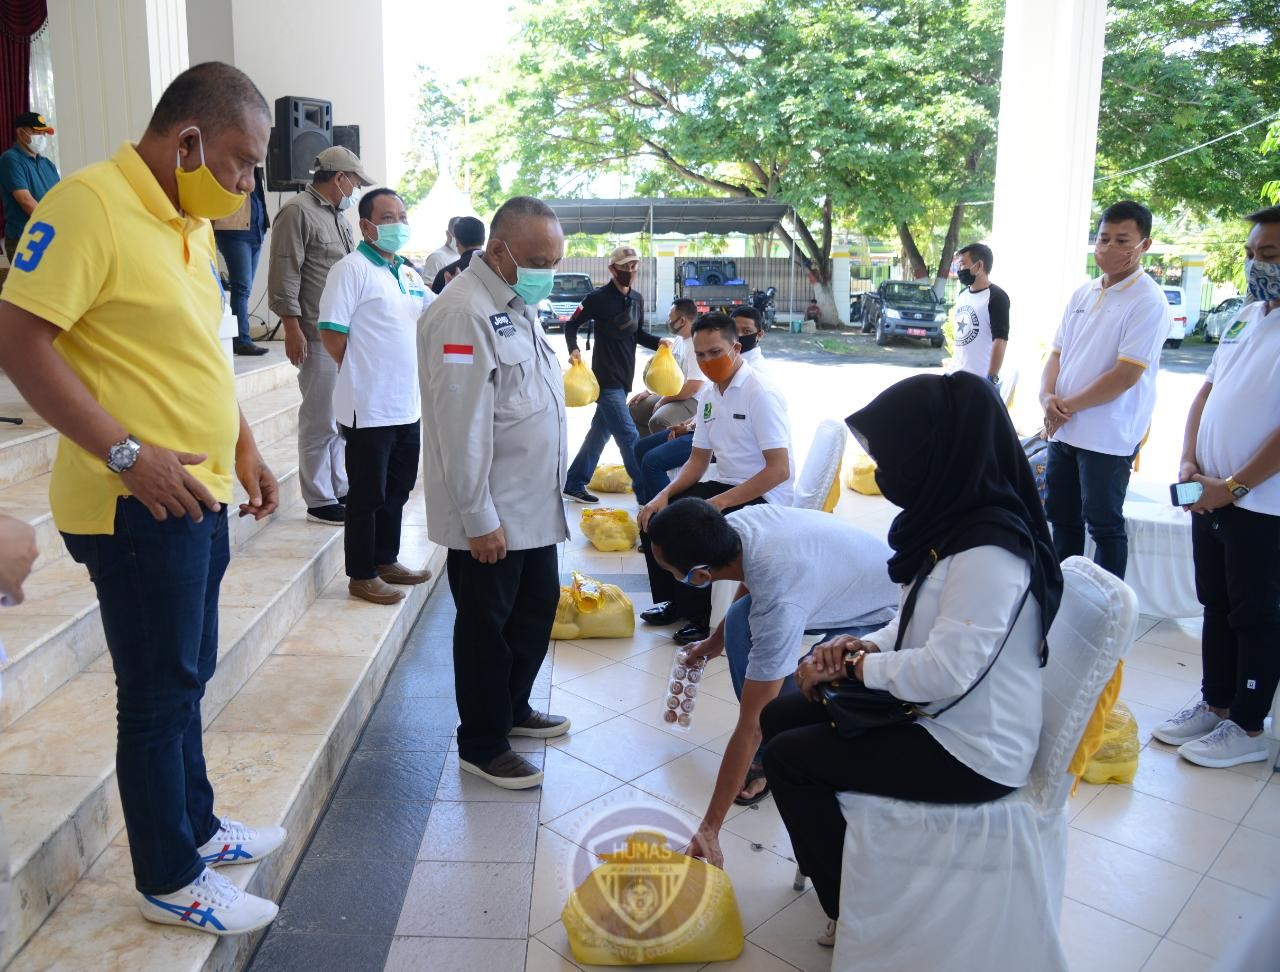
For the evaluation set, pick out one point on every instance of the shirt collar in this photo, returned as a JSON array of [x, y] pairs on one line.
[[498, 288], [377, 259], [143, 182], [1122, 286], [315, 194]]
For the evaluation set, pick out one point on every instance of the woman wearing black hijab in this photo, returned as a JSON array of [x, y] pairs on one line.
[[973, 544]]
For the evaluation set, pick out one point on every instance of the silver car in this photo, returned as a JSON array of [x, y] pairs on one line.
[[1221, 318]]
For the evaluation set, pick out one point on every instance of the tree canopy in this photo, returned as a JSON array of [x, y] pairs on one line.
[[879, 117]]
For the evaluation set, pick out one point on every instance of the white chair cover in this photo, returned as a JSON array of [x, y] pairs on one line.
[[980, 887], [821, 466]]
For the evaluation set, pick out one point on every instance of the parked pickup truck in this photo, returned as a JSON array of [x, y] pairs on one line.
[[714, 285], [904, 308]]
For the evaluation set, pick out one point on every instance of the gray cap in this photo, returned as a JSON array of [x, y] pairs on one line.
[[339, 159]]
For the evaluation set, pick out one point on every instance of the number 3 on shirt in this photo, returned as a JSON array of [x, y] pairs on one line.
[[39, 236]]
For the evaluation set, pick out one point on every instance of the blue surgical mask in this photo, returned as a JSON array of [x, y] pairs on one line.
[[1263, 280], [532, 285], [688, 578], [393, 236], [347, 201]]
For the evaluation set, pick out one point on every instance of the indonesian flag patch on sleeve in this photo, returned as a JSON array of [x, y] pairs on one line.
[[459, 354]]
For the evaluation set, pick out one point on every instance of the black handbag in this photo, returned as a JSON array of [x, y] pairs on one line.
[[854, 709]]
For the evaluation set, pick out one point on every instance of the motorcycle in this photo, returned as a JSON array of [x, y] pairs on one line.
[[766, 303]]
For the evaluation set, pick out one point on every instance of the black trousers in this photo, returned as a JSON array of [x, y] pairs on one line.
[[692, 604], [382, 466], [1237, 565], [807, 764], [500, 638]]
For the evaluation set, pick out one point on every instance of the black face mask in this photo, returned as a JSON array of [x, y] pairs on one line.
[[965, 276], [748, 341], [622, 276]]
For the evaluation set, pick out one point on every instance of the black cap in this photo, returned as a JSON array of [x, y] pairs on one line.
[[35, 121]]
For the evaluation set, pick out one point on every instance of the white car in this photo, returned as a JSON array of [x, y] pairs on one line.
[[1221, 318], [1178, 317]]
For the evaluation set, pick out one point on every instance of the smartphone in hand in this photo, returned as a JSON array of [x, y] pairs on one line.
[[1185, 494]]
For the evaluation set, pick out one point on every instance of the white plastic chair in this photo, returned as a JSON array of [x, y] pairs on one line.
[[821, 466], [929, 886]]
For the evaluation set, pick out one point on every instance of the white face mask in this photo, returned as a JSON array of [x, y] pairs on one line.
[[346, 202], [39, 144]]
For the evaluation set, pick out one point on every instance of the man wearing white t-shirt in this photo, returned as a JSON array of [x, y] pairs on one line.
[[658, 413], [1232, 449], [981, 315], [369, 323], [748, 319], [742, 420], [797, 571], [1098, 390]]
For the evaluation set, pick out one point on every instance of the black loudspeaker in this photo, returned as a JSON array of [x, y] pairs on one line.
[[304, 128], [348, 136]]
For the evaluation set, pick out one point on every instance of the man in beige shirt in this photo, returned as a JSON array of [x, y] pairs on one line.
[[309, 235]]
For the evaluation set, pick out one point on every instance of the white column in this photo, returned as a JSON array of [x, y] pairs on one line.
[[111, 61], [1192, 286], [841, 269], [1050, 85], [665, 278]]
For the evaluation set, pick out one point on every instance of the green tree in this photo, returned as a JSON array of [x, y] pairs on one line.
[[879, 115], [1179, 74]]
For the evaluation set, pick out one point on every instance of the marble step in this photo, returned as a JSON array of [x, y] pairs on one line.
[[55, 633], [57, 762], [27, 450], [274, 753], [272, 415]]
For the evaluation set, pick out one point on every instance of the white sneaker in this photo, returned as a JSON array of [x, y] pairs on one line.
[[1227, 745], [1188, 725], [210, 904], [828, 938], [234, 843]]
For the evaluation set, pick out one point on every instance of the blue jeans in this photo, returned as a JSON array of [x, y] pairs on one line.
[[157, 584], [240, 250], [1084, 487], [656, 454], [612, 418], [737, 648]]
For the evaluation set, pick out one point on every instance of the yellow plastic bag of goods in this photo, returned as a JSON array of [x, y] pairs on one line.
[[861, 475], [662, 375], [650, 905], [610, 479], [580, 385], [589, 609], [1095, 729], [1116, 760], [610, 530]]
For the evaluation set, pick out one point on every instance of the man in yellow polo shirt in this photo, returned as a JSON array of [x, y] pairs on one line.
[[109, 328]]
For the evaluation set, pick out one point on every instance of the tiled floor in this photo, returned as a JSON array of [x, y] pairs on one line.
[[416, 867]]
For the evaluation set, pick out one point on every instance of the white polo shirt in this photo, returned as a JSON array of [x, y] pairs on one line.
[[376, 305], [1126, 322], [688, 359], [738, 426], [754, 357], [1244, 406]]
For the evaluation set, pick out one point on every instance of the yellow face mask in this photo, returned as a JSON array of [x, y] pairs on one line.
[[199, 191]]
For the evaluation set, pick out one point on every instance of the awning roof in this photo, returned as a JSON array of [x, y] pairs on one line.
[[687, 216]]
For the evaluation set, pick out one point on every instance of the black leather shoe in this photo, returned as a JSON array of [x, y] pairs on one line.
[[663, 612], [691, 632]]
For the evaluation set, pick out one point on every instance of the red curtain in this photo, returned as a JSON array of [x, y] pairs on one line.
[[20, 21]]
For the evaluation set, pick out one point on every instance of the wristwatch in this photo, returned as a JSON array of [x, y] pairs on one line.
[[1238, 489], [122, 455], [851, 659], [994, 379]]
